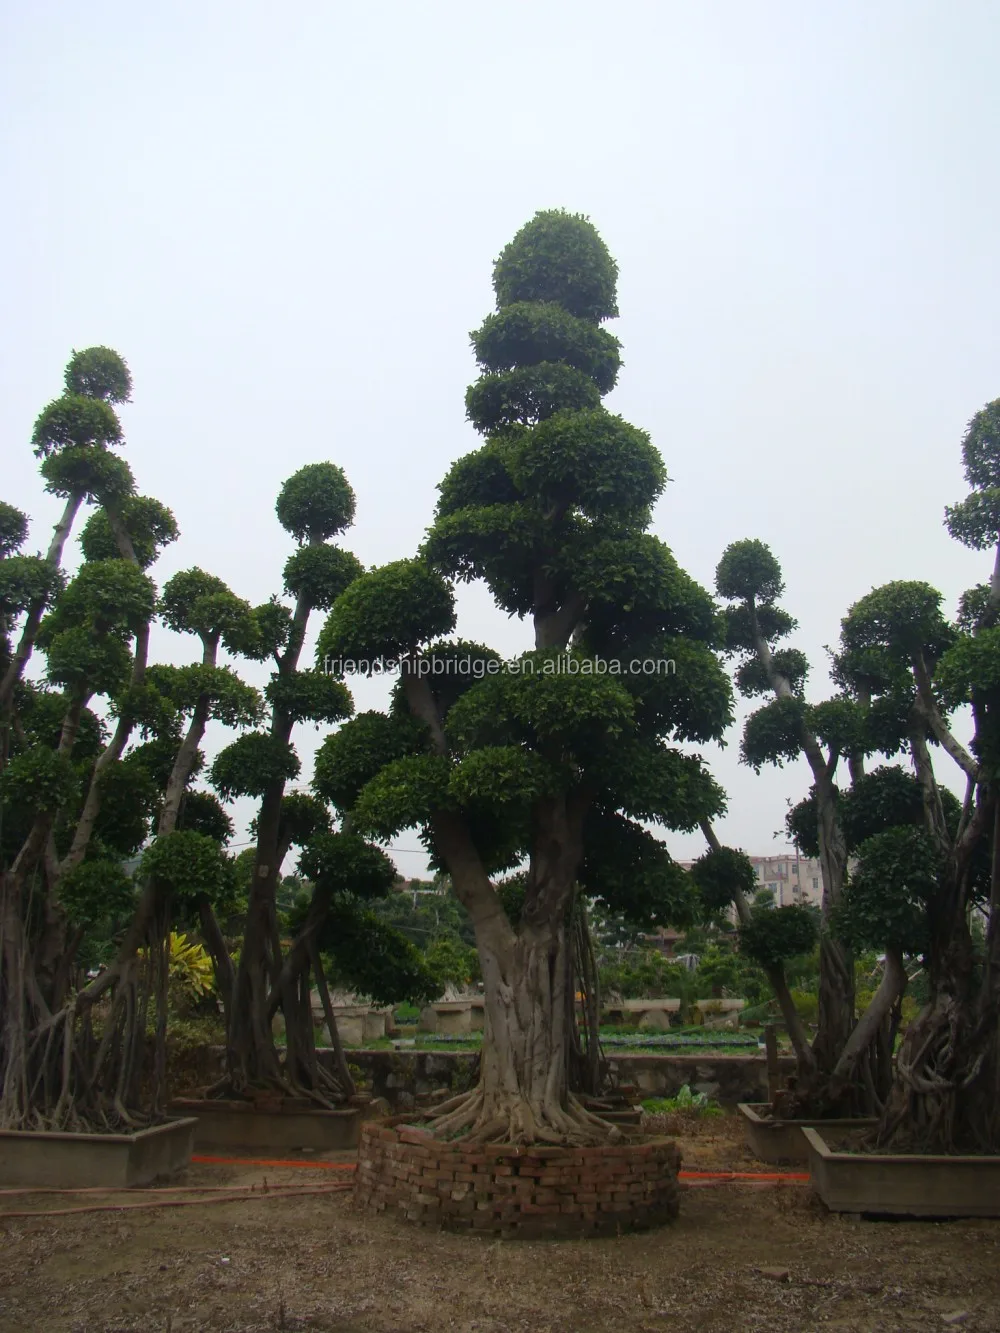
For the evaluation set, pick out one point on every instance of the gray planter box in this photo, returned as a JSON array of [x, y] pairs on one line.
[[903, 1185], [232, 1124], [782, 1141], [87, 1161]]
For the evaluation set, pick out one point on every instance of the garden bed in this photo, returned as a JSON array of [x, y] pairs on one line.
[[774, 1140], [89, 1161], [515, 1192], [902, 1185], [287, 1123]]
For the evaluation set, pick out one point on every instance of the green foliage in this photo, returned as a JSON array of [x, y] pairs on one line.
[[99, 372], [774, 935], [527, 333], [201, 812], [686, 1100], [320, 574], [13, 529], [501, 774], [589, 460], [353, 755], [886, 898], [93, 473], [194, 602], [840, 724], [752, 679], [39, 779], [529, 394], [316, 503], [96, 891], [25, 581], [251, 764], [302, 818], [343, 863], [720, 876], [387, 613], [187, 863], [971, 664], [129, 798], [75, 421], [309, 696], [738, 627], [975, 521], [647, 780], [558, 257], [402, 795], [451, 962], [149, 524], [105, 597], [903, 618], [478, 479], [773, 734], [748, 571], [643, 974], [884, 797], [230, 700], [87, 664], [631, 871], [802, 824], [373, 958], [262, 634]]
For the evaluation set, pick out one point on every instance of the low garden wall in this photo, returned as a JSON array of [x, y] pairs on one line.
[[403, 1076], [515, 1192]]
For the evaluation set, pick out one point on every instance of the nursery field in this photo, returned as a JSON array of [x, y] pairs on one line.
[[310, 1262]]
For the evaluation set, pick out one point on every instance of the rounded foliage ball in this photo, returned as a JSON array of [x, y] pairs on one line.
[[316, 502], [748, 570], [386, 614], [93, 473], [558, 257], [13, 528], [320, 574], [981, 448], [149, 524], [187, 863], [74, 420], [251, 764], [99, 372]]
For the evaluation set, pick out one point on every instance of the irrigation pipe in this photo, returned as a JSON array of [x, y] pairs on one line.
[[296, 1192]]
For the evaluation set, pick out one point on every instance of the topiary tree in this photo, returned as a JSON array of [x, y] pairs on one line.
[[926, 878], [848, 1064], [555, 760], [76, 799]]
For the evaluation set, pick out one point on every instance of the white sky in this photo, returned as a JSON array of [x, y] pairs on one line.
[[285, 218]]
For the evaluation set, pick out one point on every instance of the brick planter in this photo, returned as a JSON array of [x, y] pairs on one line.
[[515, 1192]]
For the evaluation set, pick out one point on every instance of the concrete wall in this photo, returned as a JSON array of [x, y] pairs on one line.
[[402, 1076]]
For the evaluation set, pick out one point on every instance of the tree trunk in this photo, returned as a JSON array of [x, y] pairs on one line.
[[523, 1094]]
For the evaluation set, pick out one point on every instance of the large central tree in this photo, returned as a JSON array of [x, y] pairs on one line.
[[547, 768]]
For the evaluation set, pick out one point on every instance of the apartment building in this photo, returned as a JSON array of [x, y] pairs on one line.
[[791, 878]]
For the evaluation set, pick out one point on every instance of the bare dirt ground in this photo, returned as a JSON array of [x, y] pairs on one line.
[[312, 1263]]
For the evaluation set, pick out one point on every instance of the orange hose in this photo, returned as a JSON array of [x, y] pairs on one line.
[[268, 1161]]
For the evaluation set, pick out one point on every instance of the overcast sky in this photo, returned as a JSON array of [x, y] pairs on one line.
[[285, 218]]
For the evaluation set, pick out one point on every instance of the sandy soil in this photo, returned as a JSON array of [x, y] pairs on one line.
[[311, 1262]]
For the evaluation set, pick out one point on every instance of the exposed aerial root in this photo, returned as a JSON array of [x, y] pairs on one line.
[[477, 1119]]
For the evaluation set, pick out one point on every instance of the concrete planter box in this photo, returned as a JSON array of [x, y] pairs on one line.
[[778, 1141], [234, 1124], [653, 1014], [903, 1186], [88, 1161], [454, 1017]]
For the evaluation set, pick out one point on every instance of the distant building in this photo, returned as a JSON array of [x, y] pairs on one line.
[[791, 878]]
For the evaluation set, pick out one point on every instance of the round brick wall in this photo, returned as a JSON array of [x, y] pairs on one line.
[[534, 1191]]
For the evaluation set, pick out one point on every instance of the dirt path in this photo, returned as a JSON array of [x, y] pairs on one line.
[[313, 1263]]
